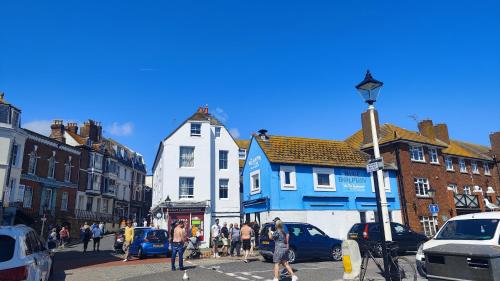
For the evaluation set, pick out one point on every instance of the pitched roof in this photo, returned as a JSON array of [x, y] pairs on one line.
[[76, 137], [205, 116], [296, 150], [391, 133], [243, 143]]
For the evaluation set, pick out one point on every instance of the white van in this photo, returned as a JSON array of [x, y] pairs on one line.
[[23, 255], [475, 229]]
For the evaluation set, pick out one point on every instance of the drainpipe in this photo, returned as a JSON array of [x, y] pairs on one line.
[[404, 209]]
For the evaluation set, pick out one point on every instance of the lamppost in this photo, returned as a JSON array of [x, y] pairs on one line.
[[369, 89], [432, 194]]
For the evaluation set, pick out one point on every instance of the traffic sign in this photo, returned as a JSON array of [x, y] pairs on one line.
[[434, 209], [375, 165]]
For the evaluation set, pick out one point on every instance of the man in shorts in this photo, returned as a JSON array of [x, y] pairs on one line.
[[215, 233], [246, 236]]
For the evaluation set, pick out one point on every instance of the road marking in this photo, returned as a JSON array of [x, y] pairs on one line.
[[231, 274], [241, 278], [246, 273], [257, 277]]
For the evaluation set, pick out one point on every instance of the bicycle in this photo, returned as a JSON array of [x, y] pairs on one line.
[[400, 268]]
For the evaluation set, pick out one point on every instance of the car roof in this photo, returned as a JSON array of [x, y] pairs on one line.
[[15, 230], [485, 215]]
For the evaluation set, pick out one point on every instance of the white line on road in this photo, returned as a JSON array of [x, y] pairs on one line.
[[241, 278], [257, 277], [231, 274]]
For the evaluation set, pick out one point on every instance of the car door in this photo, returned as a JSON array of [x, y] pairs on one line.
[[298, 240], [138, 238], [33, 257], [45, 258], [318, 242], [402, 235]]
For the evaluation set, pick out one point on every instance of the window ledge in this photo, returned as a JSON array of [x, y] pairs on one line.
[[450, 170], [418, 161], [254, 192], [463, 172], [324, 188], [423, 197], [435, 163], [288, 188]]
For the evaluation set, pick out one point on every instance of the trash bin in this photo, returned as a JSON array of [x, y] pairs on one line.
[[463, 262]]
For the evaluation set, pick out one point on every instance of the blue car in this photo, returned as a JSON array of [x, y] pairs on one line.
[[306, 242], [149, 241]]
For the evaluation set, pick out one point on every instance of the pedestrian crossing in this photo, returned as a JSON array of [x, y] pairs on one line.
[[245, 276]]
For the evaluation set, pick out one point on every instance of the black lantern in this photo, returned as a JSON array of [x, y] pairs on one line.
[[369, 88], [432, 193]]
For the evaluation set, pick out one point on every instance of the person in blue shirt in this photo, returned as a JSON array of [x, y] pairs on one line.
[[96, 236]]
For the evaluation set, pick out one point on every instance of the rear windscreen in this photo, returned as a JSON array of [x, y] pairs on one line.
[[7, 246], [157, 236]]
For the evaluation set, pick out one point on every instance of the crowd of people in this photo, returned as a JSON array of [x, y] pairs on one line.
[[93, 232], [233, 238]]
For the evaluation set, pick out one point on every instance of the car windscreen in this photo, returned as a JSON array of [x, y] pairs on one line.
[[473, 229], [157, 236], [7, 244]]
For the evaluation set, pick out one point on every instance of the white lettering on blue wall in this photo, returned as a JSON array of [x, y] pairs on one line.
[[352, 180]]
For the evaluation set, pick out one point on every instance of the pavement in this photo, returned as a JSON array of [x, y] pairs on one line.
[[72, 265]]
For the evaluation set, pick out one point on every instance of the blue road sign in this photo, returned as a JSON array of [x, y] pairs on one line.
[[433, 209]]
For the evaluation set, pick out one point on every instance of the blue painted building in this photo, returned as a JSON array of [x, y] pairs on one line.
[[321, 182]]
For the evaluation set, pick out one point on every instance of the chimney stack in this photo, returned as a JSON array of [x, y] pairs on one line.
[[91, 130], [495, 144], [263, 134], [426, 129], [57, 131], [367, 127], [72, 127], [441, 132]]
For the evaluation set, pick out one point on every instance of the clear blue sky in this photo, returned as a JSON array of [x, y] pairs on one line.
[[142, 67]]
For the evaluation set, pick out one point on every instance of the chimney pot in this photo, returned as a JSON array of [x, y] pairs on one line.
[[263, 134], [57, 131]]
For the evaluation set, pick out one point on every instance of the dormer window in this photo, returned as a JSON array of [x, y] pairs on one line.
[[195, 129], [217, 132], [463, 167], [486, 168]]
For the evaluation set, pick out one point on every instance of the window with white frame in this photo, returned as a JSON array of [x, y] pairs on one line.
[[287, 177], [387, 181], [15, 151], [486, 168], [33, 159], [429, 224], [67, 170], [223, 189], [52, 165], [324, 179], [467, 190], [28, 197], [417, 153], [64, 201], [255, 182], [453, 187], [186, 188], [186, 157], [217, 132], [421, 186], [433, 153], [461, 164], [242, 153], [223, 155], [81, 201], [449, 163], [195, 129], [474, 167]]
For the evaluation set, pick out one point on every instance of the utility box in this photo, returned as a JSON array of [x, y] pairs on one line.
[[463, 262]]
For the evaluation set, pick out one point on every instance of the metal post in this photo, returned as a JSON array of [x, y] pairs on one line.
[[386, 227], [382, 233]]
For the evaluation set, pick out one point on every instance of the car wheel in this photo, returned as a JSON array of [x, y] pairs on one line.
[[337, 253], [292, 256], [140, 254]]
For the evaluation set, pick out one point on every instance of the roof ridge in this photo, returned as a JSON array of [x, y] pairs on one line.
[[304, 138]]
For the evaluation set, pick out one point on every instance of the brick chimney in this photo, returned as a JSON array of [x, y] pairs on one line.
[[441, 132], [495, 144], [72, 127], [366, 126], [92, 130], [57, 131], [426, 129]]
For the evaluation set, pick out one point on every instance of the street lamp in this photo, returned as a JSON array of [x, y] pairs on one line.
[[432, 194], [369, 89]]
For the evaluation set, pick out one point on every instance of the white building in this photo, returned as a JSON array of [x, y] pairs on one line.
[[196, 175], [12, 139]]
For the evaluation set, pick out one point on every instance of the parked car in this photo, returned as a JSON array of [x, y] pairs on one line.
[[119, 238], [24, 255], [149, 241], [407, 239], [306, 242], [471, 229]]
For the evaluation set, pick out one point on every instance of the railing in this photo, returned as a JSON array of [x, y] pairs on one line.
[[95, 216], [466, 201]]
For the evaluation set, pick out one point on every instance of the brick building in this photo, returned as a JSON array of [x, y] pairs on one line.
[[49, 182], [462, 174]]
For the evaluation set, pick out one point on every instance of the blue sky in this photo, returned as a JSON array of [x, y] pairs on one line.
[[142, 67]]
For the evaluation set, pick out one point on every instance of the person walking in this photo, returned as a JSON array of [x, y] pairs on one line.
[[280, 255], [224, 233], [256, 231], [215, 233], [235, 237], [101, 227], [64, 234], [129, 237], [87, 233], [179, 238], [96, 236], [246, 236]]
